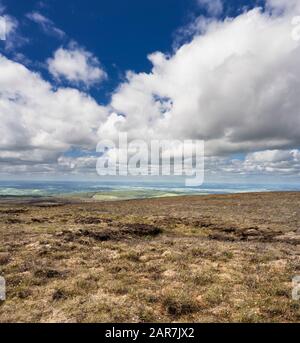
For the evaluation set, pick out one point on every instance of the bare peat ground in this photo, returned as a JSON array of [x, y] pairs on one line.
[[188, 259]]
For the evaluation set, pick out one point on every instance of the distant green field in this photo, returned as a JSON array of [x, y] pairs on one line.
[[132, 194]]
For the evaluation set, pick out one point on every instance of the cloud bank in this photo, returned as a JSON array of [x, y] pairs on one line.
[[39, 123]]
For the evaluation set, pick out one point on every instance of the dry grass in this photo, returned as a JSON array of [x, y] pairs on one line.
[[196, 259]]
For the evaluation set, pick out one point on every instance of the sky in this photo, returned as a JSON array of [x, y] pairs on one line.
[[73, 73]]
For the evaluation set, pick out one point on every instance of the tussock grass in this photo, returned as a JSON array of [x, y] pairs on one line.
[[160, 260]]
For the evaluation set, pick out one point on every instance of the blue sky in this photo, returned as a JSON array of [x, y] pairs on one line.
[[75, 72], [120, 33]]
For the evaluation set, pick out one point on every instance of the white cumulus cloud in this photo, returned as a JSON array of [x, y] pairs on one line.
[[38, 123], [234, 86], [274, 161], [76, 65]]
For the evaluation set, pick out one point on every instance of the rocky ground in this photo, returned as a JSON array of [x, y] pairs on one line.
[[226, 258]]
